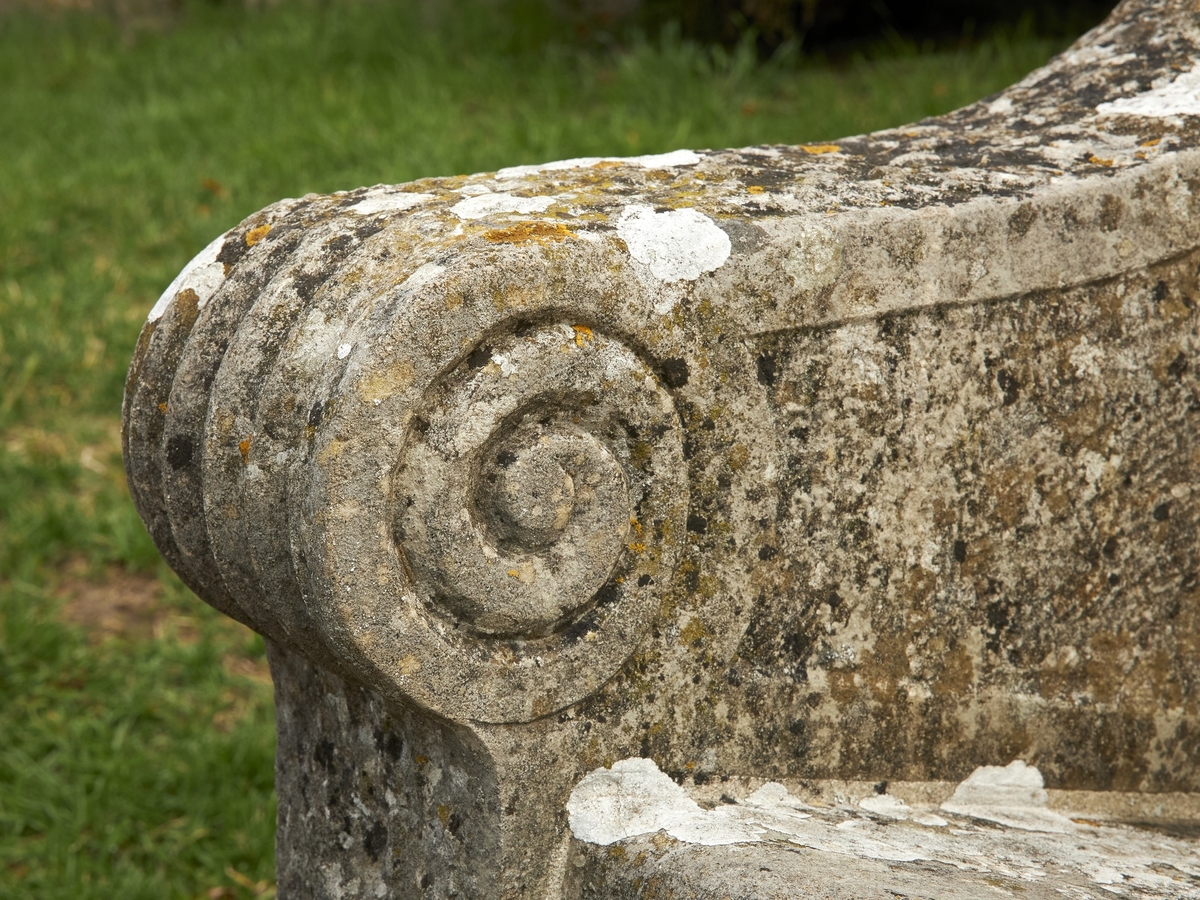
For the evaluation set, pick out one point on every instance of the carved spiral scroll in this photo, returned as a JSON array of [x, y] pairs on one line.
[[531, 486]]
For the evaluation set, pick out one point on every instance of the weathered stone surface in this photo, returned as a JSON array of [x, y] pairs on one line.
[[872, 460], [642, 835]]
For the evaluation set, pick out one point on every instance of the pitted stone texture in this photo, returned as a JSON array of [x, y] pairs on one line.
[[376, 802]]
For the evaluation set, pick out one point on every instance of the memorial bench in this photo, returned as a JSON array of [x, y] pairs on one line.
[[810, 521]]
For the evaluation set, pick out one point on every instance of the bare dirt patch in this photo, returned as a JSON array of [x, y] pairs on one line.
[[131, 606], [122, 605]]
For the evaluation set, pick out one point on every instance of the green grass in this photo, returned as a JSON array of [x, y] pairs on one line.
[[130, 769], [119, 159]]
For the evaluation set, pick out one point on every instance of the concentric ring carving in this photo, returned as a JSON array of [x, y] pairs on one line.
[[541, 479]]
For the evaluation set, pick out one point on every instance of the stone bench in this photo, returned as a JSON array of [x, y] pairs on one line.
[[732, 509]]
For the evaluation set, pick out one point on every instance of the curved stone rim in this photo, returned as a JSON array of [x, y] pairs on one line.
[[355, 579], [584, 398]]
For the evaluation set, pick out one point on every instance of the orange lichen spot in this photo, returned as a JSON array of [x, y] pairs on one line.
[[637, 526], [818, 149], [637, 547], [244, 449], [513, 573], [254, 235], [1153, 143], [583, 334], [525, 232], [755, 189], [162, 408], [1097, 161]]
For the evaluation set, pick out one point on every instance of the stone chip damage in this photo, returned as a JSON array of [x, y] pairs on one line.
[[870, 462]]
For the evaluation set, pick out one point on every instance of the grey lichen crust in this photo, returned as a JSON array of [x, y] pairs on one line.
[[872, 459]]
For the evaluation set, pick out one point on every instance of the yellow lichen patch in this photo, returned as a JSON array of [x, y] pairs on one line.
[[607, 164], [244, 449], [1169, 365], [187, 307], [694, 631], [583, 334], [162, 408], [957, 673], [1097, 161], [637, 547], [254, 235], [378, 386], [527, 232], [410, 665], [1153, 143], [444, 814], [421, 760], [755, 189], [818, 149], [332, 451], [738, 457]]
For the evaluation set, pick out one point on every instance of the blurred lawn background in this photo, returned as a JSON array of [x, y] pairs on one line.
[[136, 726]]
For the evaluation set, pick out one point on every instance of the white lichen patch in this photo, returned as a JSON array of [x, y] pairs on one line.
[[676, 245], [1013, 795], [814, 261], [427, 274], [489, 204], [388, 202], [634, 798], [203, 275], [670, 160], [890, 807], [1179, 96]]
